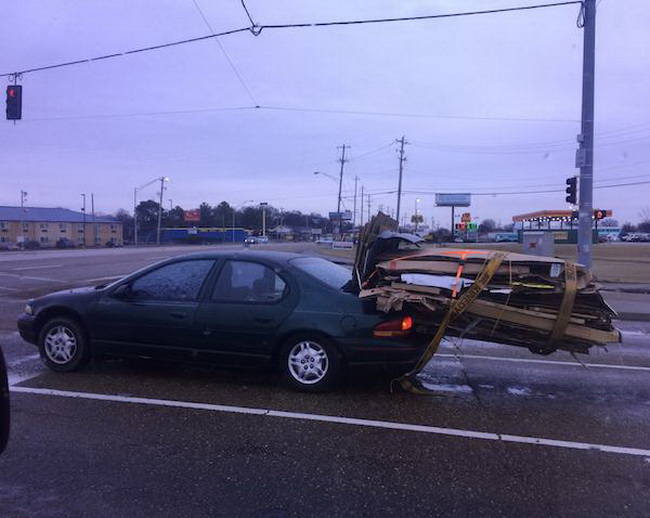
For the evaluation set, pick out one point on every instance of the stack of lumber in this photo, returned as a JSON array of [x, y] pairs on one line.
[[541, 303]]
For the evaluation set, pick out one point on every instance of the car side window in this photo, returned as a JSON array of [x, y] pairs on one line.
[[176, 281], [245, 281]]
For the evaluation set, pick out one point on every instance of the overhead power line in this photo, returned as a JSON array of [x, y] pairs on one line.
[[257, 30], [223, 50]]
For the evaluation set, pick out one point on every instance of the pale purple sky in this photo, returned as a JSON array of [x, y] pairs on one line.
[[489, 104]]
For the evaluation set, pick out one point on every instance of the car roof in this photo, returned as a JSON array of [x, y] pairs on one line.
[[271, 255]]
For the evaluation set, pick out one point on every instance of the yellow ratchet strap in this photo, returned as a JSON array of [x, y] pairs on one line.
[[409, 381]]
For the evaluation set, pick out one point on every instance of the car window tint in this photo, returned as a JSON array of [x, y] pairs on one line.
[[332, 274], [245, 281], [176, 281]]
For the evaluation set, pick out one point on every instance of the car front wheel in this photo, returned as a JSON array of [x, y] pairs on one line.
[[310, 364], [63, 345]]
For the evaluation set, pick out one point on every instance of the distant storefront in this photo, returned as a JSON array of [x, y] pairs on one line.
[[562, 223], [42, 227]]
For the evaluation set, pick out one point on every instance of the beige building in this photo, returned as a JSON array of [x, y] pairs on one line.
[[24, 227]]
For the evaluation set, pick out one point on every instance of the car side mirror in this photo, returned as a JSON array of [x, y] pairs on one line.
[[122, 292]]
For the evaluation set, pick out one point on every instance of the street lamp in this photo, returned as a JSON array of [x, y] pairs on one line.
[[264, 204], [417, 200]]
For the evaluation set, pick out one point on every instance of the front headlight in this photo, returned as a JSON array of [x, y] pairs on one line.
[[29, 309]]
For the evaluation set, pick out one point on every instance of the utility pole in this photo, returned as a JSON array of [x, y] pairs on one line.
[[135, 215], [402, 159], [162, 188], [362, 205], [354, 214], [338, 207], [585, 153], [368, 207], [92, 212]]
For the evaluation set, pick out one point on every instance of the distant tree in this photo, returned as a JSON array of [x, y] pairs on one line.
[[609, 222], [487, 225], [644, 226], [147, 214], [295, 218], [442, 235], [207, 216], [628, 227], [222, 214], [174, 217], [127, 224]]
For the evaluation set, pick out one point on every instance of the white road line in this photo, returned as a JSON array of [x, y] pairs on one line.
[[542, 362], [371, 423], [19, 276], [9, 289], [44, 267]]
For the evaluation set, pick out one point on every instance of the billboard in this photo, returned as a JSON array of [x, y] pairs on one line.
[[346, 215], [192, 215], [453, 200]]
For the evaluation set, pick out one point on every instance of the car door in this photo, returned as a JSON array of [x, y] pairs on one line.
[[241, 315], [153, 314]]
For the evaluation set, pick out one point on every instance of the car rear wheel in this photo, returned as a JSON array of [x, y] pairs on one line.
[[310, 364], [63, 345]]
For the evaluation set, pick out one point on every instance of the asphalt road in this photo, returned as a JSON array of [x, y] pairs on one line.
[[504, 433]]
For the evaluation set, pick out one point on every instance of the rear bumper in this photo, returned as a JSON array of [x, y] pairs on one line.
[[385, 351]]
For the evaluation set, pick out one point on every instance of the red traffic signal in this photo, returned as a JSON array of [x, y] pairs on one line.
[[572, 190], [14, 102]]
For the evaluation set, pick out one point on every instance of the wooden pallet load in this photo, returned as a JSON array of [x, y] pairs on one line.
[[541, 303]]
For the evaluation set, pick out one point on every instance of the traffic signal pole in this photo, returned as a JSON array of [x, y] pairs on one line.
[[585, 154]]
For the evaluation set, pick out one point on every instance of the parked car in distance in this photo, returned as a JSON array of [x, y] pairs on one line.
[[324, 241], [506, 237], [235, 309], [250, 240]]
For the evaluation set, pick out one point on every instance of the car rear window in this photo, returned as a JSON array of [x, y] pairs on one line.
[[333, 275]]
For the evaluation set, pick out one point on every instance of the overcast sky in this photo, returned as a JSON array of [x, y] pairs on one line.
[[488, 104]]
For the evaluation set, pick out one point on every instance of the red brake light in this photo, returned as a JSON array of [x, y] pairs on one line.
[[398, 327]]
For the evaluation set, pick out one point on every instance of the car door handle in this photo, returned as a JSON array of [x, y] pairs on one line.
[[178, 314]]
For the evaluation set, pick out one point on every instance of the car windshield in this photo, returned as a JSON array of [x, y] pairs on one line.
[[332, 274]]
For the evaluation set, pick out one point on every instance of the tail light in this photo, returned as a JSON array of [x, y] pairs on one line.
[[400, 327]]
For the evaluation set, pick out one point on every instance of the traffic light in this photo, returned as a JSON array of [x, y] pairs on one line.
[[572, 190], [14, 102], [599, 214]]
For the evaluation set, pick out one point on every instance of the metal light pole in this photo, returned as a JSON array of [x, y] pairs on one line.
[[264, 204], [417, 200], [585, 154]]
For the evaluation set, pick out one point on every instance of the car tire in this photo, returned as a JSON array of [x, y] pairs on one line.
[[63, 345], [310, 364]]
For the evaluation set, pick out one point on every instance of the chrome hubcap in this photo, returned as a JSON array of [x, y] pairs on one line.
[[60, 344], [308, 362]]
